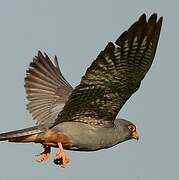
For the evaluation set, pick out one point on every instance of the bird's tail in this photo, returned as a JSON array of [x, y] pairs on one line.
[[22, 135]]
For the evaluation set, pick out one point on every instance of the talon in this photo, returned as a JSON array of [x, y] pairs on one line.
[[61, 158], [58, 161], [43, 156]]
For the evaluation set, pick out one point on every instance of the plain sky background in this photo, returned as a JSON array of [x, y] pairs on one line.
[[76, 31]]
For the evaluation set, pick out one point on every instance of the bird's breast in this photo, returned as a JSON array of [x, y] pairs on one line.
[[83, 137]]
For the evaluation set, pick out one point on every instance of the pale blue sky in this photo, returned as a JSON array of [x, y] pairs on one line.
[[76, 31]]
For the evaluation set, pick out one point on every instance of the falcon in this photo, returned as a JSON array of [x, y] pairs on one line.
[[84, 118]]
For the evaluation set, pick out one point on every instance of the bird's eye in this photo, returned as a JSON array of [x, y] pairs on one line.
[[132, 128]]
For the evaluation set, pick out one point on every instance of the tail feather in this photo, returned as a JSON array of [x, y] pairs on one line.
[[18, 134]]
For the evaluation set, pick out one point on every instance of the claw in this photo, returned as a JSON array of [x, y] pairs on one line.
[[61, 158], [58, 161], [43, 156]]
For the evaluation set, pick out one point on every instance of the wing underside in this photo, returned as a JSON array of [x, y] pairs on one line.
[[47, 90]]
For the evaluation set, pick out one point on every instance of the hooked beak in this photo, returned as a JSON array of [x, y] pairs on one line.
[[135, 135]]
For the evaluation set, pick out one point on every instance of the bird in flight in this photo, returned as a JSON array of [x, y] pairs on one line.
[[84, 118]]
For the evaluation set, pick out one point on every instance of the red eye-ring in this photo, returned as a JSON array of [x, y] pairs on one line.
[[132, 128]]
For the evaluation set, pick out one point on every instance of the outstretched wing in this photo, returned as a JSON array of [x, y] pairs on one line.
[[114, 76], [46, 88]]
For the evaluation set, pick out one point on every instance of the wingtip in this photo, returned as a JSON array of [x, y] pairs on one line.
[[152, 18], [56, 60], [142, 21], [142, 18], [46, 56], [57, 64], [160, 20], [39, 53]]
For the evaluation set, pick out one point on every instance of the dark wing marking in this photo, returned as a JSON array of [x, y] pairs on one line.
[[114, 76], [46, 88]]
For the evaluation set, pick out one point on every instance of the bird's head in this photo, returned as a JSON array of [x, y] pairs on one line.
[[126, 129]]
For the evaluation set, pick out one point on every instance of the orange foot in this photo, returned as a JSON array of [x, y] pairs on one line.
[[61, 155], [44, 155]]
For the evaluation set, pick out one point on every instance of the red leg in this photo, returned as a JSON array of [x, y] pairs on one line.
[[45, 154], [61, 154]]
